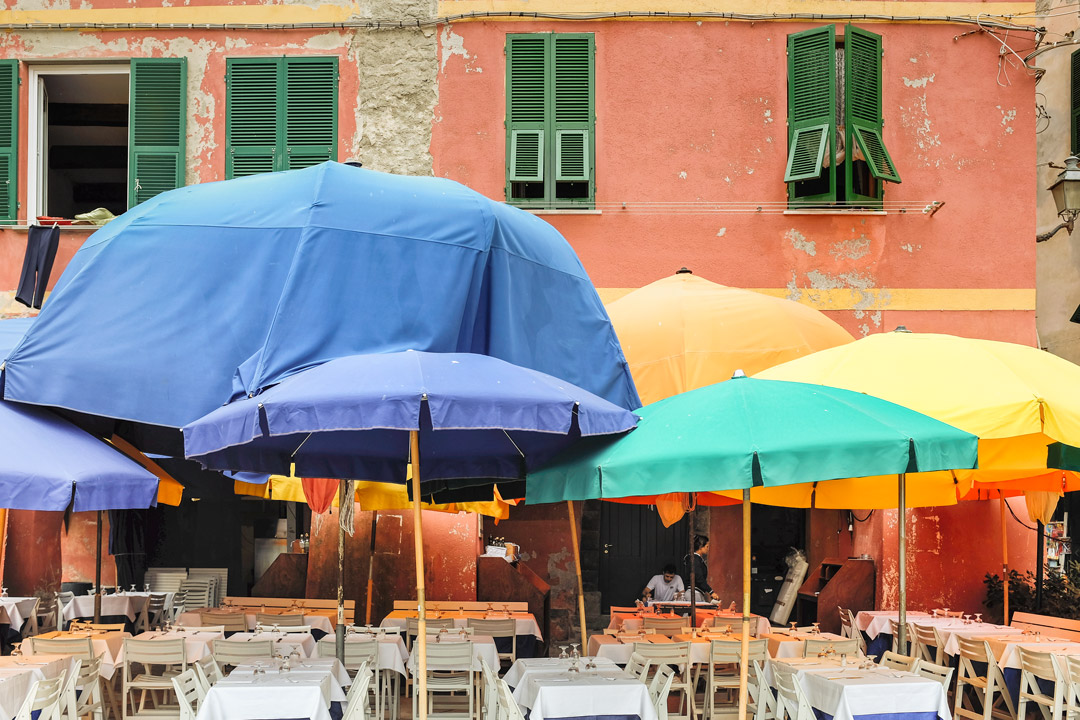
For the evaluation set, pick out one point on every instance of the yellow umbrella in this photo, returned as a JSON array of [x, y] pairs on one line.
[[684, 332]]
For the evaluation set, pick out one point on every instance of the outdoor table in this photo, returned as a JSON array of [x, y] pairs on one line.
[[107, 644], [633, 623], [128, 605], [619, 648], [313, 667], [874, 622], [1005, 650], [528, 630], [197, 645], [267, 697], [879, 631], [18, 675], [194, 618], [790, 643], [301, 640], [15, 610], [392, 652], [520, 671], [980, 631], [605, 692], [483, 647], [848, 693]]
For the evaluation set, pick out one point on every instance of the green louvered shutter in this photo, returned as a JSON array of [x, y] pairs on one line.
[[811, 101], [9, 139], [311, 85], [254, 98], [862, 100], [1074, 115], [157, 127], [526, 107], [573, 91]]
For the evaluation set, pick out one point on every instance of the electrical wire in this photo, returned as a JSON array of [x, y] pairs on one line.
[[1007, 505], [859, 519]]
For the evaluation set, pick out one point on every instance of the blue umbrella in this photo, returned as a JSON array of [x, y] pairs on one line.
[[452, 415], [220, 290]]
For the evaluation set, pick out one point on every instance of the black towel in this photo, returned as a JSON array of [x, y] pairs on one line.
[[41, 244]]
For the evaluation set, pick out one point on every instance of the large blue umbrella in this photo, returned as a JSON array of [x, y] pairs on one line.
[[448, 415], [220, 290]]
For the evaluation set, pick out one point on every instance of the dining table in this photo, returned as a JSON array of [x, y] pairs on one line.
[[194, 618], [527, 629], [302, 641], [792, 643], [606, 691], [18, 673], [848, 692], [632, 622], [1006, 652], [251, 696], [197, 645], [393, 655], [483, 648], [127, 605], [15, 611], [330, 667], [106, 644]]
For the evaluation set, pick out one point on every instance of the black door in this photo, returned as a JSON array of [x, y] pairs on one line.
[[774, 532], [634, 546]]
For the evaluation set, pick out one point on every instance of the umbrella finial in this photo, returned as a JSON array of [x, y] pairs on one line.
[[684, 271], [901, 328], [738, 374]]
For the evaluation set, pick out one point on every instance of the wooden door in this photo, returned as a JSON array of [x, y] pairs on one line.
[[634, 546]]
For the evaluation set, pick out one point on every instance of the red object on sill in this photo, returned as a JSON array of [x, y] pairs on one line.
[[49, 220]]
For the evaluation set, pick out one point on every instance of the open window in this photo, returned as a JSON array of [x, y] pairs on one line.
[[836, 150]]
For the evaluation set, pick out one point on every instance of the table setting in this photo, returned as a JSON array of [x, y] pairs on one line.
[[588, 688], [120, 604], [525, 622], [316, 622], [392, 651], [302, 640], [18, 673], [256, 695], [789, 643]]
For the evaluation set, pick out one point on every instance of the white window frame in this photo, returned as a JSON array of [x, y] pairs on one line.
[[33, 136]]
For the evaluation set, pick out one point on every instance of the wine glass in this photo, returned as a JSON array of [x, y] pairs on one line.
[[793, 625], [978, 617], [133, 589], [574, 654], [276, 628], [817, 628], [3, 592], [146, 587], [946, 611], [258, 627], [967, 618], [491, 608], [562, 652], [16, 649]]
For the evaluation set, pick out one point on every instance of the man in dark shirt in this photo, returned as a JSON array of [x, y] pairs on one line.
[[701, 568]]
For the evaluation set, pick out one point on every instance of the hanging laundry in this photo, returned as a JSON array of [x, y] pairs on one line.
[[41, 244]]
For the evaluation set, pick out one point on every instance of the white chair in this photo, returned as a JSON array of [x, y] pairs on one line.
[[282, 621], [81, 648], [896, 661], [638, 666], [489, 699], [229, 622], [930, 671], [68, 701], [790, 697], [725, 657], [44, 698], [1073, 699], [731, 624], [356, 707], [508, 707], [659, 689], [498, 629], [894, 628], [412, 627], [678, 656], [204, 629], [813, 646], [198, 594], [186, 686], [152, 615], [238, 652], [849, 629], [1035, 666], [294, 629], [668, 627], [84, 682], [361, 654], [989, 688], [209, 672], [928, 644], [448, 672], [170, 654]]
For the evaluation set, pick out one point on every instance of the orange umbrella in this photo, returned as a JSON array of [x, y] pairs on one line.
[[684, 332]]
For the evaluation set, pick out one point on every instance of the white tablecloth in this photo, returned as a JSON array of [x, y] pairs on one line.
[[18, 675], [257, 697], [82, 606], [392, 651], [875, 622], [304, 641], [197, 645], [632, 623], [521, 669], [526, 623], [987, 631], [315, 667], [1009, 657], [107, 646], [194, 619], [618, 649], [789, 644], [846, 693], [483, 647], [585, 694], [15, 610]]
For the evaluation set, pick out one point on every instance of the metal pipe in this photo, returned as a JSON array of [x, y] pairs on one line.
[[1004, 559], [97, 573], [371, 568], [744, 642], [693, 567], [339, 632], [1040, 548], [901, 642]]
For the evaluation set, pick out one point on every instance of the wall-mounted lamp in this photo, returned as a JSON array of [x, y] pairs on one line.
[[1066, 192]]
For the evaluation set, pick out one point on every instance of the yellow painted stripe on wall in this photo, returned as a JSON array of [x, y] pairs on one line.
[[750, 7], [890, 298]]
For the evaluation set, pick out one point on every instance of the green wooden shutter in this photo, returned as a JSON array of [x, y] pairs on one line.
[[157, 127], [526, 107], [862, 100], [311, 85], [811, 101], [1075, 110], [254, 97], [573, 111], [9, 140]]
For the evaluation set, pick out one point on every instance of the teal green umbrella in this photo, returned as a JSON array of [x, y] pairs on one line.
[[747, 433]]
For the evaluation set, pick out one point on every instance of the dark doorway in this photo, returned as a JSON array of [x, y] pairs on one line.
[[774, 532], [634, 546]]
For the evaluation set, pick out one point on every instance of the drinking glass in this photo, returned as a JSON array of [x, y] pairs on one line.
[[3, 592], [16, 649], [562, 652], [967, 619], [978, 617], [793, 625], [91, 591], [133, 589], [817, 628], [276, 628], [146, 587], [491, 608], [258, 628], [946, 611], [574, 654]]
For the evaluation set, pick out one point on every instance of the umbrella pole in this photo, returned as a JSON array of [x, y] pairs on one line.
[[421, 612], [1004, 558], [901, 642], [371, 568], [339, 637], [577, 566], [97, 573], [744, 642], [693, 565]]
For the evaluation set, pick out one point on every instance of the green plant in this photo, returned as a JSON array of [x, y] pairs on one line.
[[1060, 593]]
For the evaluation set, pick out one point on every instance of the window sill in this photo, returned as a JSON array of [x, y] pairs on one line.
[[63, 228], [831, 211], [566, 211]]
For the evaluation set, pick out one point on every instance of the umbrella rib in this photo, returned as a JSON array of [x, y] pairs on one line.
[[513, 443], [300, 445]]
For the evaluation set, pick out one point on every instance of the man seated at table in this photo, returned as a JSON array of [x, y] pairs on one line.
[[665, 587]]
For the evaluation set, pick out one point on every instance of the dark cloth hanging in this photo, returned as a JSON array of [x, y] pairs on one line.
[[127, 545], [41, 244], [701, 573]]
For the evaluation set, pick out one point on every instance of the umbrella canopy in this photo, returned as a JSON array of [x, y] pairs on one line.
[[220, 290], [477, 416], [684, 332], [747, 433]]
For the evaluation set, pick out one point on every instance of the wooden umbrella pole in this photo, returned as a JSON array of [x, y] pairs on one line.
[[421, 612], [97, 573], [339, 631], [1004, 558], [580, 584], [693, 566], [744, 642], [901, 642], [371, 568]]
